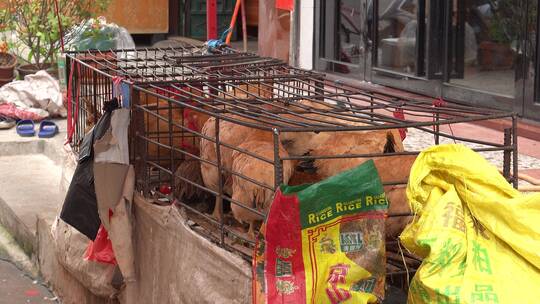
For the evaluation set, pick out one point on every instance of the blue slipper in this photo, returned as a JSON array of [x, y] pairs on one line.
[[25, 128], [47, 129]]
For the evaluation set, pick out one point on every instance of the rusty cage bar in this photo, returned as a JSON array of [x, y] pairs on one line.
[[176, 92]]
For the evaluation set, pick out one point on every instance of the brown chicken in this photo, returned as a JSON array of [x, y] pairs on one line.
[[157, 129], [230, 134], [301, 143], [397, 205], [192, 170], [248, 193]]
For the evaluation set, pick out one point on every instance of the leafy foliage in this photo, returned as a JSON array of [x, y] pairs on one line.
[[37, 26]]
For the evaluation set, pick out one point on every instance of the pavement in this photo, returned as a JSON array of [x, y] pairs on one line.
[[33, 187], [30, 181], [16, 287], [30, 185]]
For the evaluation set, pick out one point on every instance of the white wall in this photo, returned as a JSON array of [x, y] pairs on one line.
[[307, 27]]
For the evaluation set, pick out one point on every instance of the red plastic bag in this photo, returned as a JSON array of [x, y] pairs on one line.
[[400, 114], [285, 4], [100, 250]]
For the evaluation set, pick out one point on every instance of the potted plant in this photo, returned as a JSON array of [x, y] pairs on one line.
[[7, 60], [7, 64], [36, 26], [499, 51]]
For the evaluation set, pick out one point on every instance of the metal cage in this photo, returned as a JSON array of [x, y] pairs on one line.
[[167, 86]]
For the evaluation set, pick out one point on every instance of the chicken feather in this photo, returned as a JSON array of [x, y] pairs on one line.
[[248, 193]]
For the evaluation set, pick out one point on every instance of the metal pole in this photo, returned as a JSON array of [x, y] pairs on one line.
[[437, 128], [171, 156], [211, 19], [515, 151], [507, 154], [244, 25], [294, 42], [278, 162], [219, 198]]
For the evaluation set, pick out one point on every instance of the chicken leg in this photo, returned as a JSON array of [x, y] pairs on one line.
[[251, 230], [217, 208]]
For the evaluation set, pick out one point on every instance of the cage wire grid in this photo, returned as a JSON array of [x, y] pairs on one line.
[[256, 93]]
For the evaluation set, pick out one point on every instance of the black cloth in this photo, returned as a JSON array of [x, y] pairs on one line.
[[80, 205]]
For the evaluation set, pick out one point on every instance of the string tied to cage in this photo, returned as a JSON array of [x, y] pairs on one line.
[[214, 44], [440, 103], [400, 114], [117, 88], [72, 113]]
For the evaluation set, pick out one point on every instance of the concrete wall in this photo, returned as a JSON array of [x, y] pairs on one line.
[[307, 31], [176, 265]]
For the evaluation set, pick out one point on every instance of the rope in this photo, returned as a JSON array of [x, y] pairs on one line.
[[117, 81], [441, 103], [70, 124], [59, 25], [216, 43]]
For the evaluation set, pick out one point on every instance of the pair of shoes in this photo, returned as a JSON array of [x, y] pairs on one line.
[[47, 128], [6, 122]]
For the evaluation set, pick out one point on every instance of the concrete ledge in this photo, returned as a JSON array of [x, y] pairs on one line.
[[15, 226], [21, 147]]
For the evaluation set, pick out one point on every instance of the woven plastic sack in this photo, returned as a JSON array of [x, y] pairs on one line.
[[324, 243], [478, 236]]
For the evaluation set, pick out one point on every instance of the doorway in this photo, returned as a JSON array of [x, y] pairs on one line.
[[477, 52]]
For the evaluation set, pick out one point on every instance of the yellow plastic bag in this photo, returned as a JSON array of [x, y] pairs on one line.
[[478, 236]]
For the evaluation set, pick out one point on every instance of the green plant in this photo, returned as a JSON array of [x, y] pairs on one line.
[[36, 25], [504, 27]]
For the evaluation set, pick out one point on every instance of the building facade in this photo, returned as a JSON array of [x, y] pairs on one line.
[[481, 53]]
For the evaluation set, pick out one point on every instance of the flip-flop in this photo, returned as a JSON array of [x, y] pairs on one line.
[[6, 122], [47, 129], [25, 128]]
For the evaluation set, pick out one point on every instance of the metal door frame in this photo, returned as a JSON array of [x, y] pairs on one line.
[[529, 103], [526, 99], [319, 62], [425, 79]]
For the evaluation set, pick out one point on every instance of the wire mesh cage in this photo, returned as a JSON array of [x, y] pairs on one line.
[[92, 74], [216, 134]]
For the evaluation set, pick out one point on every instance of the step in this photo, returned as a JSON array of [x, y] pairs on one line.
[[32, 182]]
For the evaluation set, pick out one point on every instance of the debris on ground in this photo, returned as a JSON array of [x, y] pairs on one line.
[[36, 97]]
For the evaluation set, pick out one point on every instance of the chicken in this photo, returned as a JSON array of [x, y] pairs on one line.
[[343, 143], [190, 169], [301, 143], [397, 205], [193, 171], [157, 129], [231, 134], [248, 193], [238, 91]]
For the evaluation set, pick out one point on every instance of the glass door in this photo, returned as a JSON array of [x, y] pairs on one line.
[[485, 52], [341, 37], [530, 79], [477, 52], [407, 44]]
